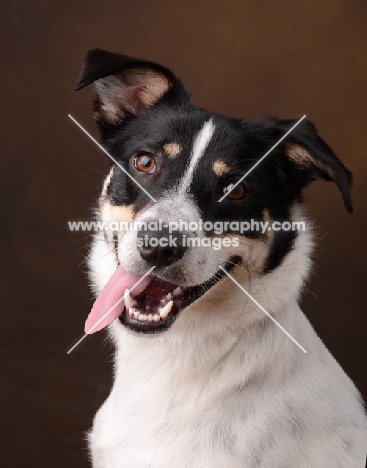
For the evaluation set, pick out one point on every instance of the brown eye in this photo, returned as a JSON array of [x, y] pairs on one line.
[[145, 162], [238, 193]]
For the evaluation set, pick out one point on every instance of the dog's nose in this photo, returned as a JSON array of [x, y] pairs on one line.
[[161, 248]]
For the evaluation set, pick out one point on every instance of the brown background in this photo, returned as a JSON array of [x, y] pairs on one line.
[[243, 58]]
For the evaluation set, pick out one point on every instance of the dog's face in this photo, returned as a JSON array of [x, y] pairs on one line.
[[186, 159]]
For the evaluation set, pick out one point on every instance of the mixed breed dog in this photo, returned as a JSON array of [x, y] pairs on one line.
[[203, 378]]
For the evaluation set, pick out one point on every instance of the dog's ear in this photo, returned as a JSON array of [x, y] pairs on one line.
[[314, 158], [124, 86]]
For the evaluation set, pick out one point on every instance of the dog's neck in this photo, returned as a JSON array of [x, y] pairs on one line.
[[212, 329]]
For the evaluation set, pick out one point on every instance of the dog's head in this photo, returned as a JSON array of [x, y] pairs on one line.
[[173, 164]]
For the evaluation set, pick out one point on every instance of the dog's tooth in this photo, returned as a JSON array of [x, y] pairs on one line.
[[129, 301], [177, 291], [131, 311], [164, 311], [150, 317], [168, 297], [136, 314], [142, 317], [156, 317]]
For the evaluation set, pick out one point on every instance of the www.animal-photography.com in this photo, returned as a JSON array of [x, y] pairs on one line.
[[183, 208]]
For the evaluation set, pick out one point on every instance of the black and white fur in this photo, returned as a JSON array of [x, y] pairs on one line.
[[222, 386]]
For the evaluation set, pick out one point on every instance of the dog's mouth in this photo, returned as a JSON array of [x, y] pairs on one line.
[[157, 307], [150, 308]]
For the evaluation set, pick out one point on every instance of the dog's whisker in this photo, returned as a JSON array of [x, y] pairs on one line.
[[79, 240], [95, 170], [86, 258], [91, 177]]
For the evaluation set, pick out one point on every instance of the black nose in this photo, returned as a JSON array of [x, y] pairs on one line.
[[160, 248]]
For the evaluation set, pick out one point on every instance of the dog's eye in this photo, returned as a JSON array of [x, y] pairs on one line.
[[238, 193], [144, 162]]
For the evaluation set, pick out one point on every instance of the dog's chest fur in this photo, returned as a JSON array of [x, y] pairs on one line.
[[207, 396], [159, 416]]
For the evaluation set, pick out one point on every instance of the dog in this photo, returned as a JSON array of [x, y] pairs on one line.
[[203, 377]]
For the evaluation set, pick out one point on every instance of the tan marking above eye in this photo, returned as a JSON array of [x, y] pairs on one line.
[[221, 168], [172, 149]]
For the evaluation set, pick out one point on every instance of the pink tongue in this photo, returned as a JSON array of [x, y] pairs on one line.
[[110, 304]]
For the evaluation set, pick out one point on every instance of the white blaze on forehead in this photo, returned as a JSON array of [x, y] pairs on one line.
[[201, 143]]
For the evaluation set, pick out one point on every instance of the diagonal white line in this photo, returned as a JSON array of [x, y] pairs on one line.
[[262, 308], [261, 159], [112, 158], [200, 145], [105, 315]]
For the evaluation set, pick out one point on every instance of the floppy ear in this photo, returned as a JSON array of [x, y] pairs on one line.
[[315, 159], [124, 86]]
